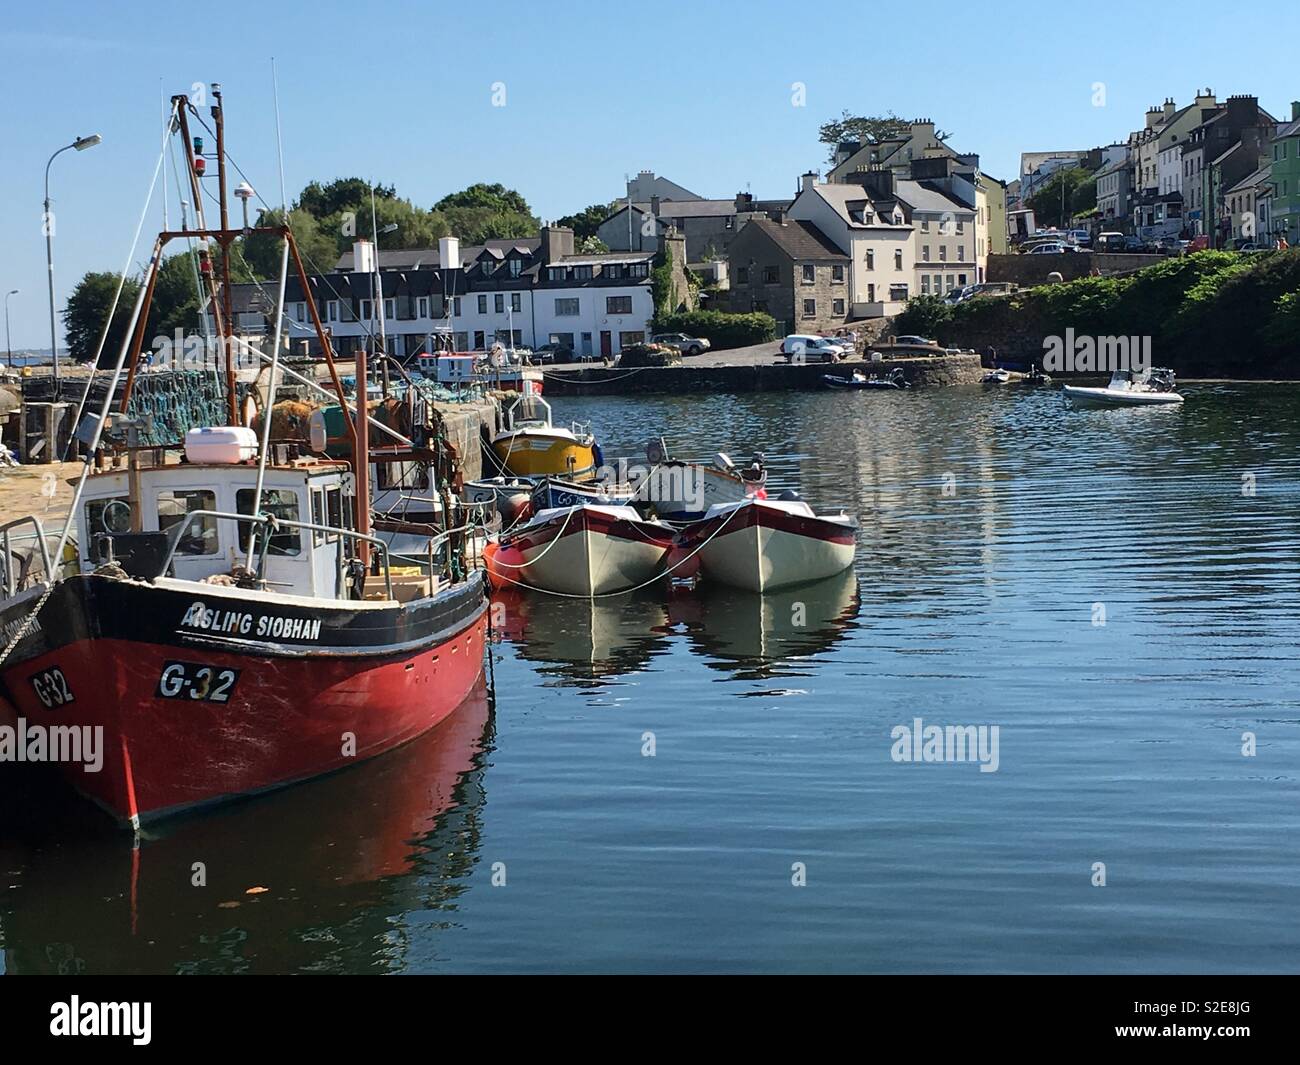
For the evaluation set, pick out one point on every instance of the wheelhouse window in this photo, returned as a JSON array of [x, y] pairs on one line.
[[108, 516], [318, 514], [199, 535], [278, 503]]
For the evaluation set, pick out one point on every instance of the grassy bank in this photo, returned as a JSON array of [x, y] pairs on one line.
[[1210, 314]]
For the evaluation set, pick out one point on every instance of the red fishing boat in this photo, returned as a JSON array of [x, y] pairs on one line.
[[230, 625]]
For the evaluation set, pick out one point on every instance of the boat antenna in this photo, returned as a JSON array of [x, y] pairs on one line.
[[269, 406], [279, 142]]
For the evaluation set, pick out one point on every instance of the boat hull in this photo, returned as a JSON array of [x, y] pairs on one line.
[[1113, 397], [761, 548], [535, 454], [584, 552], [203, 696], [682, 492]]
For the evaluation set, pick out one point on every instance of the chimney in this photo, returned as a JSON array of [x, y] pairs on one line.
[[1243, 111], [449, 254], [557, 242], [1170, 107], [878, 183], [1295, 110], [1154, 115], [1205, 98], [810, 178], [363, 257], [923, 131]]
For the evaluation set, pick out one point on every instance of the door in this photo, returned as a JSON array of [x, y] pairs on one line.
[[606, 344], [586, 345]]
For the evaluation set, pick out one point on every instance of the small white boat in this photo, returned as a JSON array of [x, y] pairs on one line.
[[996, 377], [684, 491], [552, 492], [765, 544], [1128, 388], [582, 550]]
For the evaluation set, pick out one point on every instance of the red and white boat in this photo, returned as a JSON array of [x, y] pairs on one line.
[[583, 550], [229, 624], [765, 544]]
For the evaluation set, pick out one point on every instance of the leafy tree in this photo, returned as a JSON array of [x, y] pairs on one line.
[[175, 298], [261, 251], [585, 223], [866, 129], [87, 311], [1080, 195], [590, 246], [341, 194], [484, 212]]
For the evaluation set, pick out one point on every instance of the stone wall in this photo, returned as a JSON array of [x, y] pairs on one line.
[[957, 369], [1033, 269]]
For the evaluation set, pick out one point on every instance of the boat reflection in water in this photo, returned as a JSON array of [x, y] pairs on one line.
[[584, 642], [332, 866], [755, 636]]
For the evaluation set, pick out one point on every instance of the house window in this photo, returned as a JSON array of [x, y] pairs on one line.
[[809, 273], [626, 340], [898, 293], [759, 306], [925, 253], [898, 258], [871, 259], [943, 253], [960, 224], [837, 308], [925, 225], [390, 308], [486, 268], [555, 273], [422, 307], [925, 284], [482, 305], [837, 275], [332, 311], [566, 308], [300, 312], [499, 303], [742, 275], [367, 310], [516, 302], [961, 280], [480, 338], [771, 275], [639, 270], [961, 253], [582, 273], [618, 305], [810, 308], [516, 265], [871, 293]]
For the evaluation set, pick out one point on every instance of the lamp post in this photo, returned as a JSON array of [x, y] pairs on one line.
[[81, 144], [8, 344]]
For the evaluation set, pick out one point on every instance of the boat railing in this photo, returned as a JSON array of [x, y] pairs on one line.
[[7, 538], [270, 521]]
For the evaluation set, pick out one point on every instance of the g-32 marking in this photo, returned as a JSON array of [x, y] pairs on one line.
[[52, 689], [194, 680]]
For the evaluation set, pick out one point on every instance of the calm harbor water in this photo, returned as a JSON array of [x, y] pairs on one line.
[[993, 523]]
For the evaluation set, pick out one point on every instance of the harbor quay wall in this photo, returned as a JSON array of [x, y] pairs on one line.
[[1028, 270], [954, 369]]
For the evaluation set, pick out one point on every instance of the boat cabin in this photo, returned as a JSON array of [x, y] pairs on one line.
[[298, 561]]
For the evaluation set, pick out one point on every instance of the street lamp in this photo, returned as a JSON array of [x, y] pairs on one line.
[[8, 344], [81, 144]]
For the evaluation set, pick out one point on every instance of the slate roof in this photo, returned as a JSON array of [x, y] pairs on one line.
[[799, 240]]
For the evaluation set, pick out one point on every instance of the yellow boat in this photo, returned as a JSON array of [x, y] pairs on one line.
[[530, 446]]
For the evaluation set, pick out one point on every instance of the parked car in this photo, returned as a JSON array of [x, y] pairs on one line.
[[1055, 248], [913, 340], [1110, 241], [811, 348], [1170, 246], [1199, 243], [685, 344], [549, 353], [1080, 237], [1248, 245]]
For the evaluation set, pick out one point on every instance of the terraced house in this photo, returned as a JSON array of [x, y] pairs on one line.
[[1285, 175]]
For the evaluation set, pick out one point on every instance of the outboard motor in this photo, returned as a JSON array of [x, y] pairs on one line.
[[789, 496]]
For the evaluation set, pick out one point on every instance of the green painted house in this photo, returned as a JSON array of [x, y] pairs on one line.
[[1285, 214]]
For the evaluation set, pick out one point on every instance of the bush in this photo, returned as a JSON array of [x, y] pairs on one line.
[[719, 328], [649, 355], [924, 316]]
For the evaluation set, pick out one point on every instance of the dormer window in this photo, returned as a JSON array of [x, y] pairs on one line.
[[516, 265], [487, 268]]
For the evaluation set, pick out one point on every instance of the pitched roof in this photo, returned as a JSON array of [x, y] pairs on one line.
[[848, 201], [799, 240], [1250, 181], [926, 196]]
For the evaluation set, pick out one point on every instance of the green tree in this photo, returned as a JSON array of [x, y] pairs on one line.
[[484, 212], [175, 298], [261, 251], [1080, 189], [865, 129], [585, 223], [341, 194], [87, 311]]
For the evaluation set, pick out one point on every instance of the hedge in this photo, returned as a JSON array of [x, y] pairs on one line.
[[719, 328]]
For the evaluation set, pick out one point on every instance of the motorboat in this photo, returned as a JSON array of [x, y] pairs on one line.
[[996, 377], [552, 492], [583, 550], [506, 495], [895, 379], [766, 544], [680, 491], [531, 446], [1129, 388]]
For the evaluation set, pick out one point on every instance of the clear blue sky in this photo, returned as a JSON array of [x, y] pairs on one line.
[[700, 92]]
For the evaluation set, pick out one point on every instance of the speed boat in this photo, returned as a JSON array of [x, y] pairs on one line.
[[765, 544], [1129, 388], [582, 550]]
